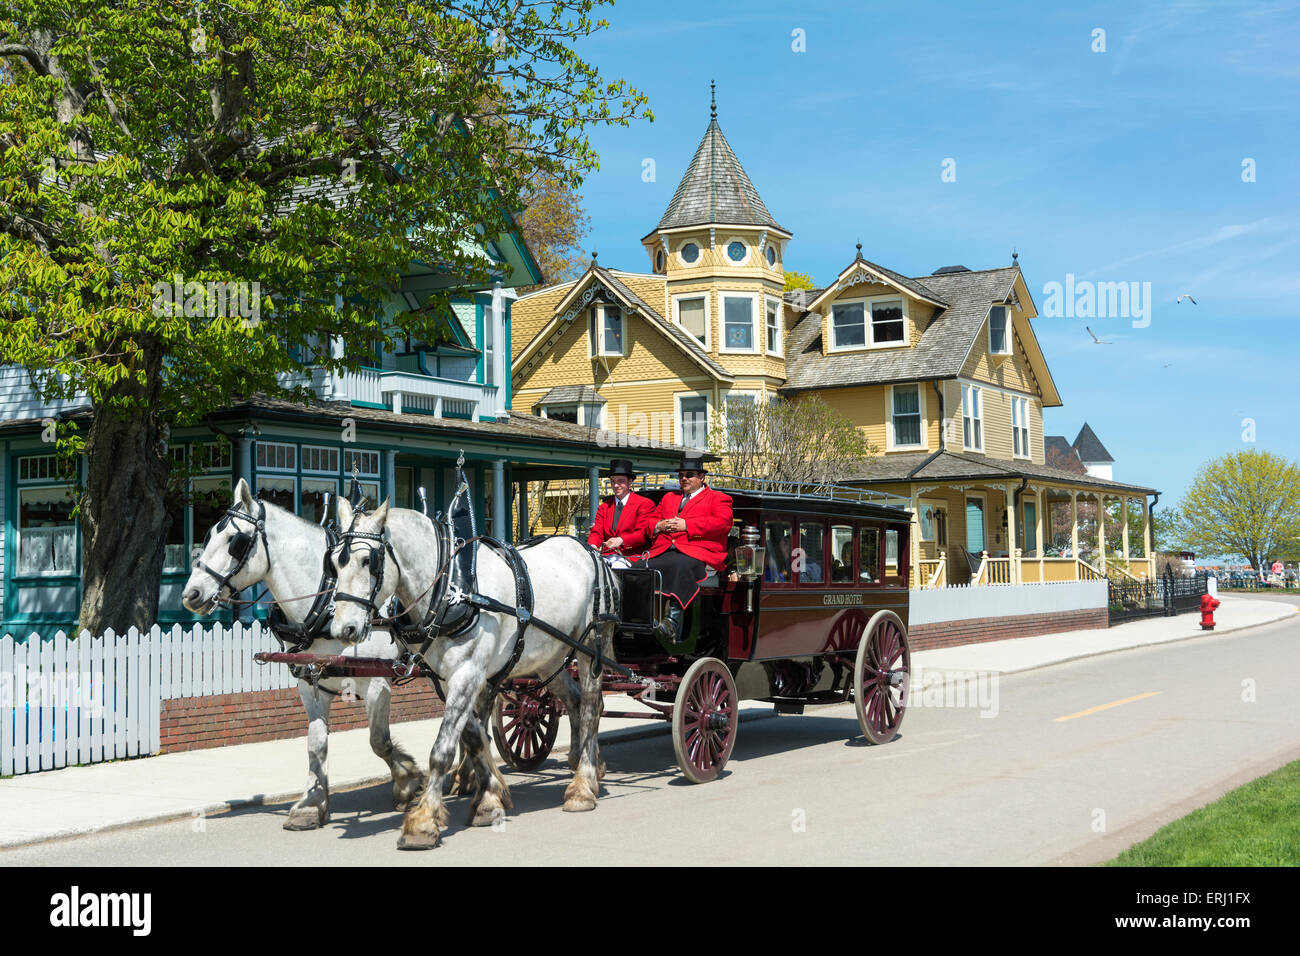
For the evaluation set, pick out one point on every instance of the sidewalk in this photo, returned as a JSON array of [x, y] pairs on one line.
[[75, 800]]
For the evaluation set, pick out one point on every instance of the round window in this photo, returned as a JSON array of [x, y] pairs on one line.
[[690, 252], [659, 261], [771, 255], [736, 251]]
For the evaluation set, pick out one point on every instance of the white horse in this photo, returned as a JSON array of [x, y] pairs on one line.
[[288, 553], [564, 579]]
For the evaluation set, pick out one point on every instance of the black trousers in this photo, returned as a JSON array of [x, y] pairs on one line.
[[681, 574]]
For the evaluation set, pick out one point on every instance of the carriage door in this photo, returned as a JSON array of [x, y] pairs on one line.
[[975, 525]]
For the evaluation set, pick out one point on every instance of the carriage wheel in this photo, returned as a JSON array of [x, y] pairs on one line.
[[524, 724], [880, 677], [704, 720]]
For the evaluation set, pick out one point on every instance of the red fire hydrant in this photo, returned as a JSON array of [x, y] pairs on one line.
[[1208, 603]]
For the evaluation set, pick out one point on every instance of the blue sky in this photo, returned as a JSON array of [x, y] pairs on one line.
[[1122, 165]]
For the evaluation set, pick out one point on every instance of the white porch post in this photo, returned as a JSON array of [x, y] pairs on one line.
[[1101, 531], [1074, 524], [1123, 517], [1012, 551], [914, 544], [1041, 502], [1146, 536]]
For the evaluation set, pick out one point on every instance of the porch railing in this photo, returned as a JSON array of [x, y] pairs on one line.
[[933, 572], [1089, 573], [993, 570]]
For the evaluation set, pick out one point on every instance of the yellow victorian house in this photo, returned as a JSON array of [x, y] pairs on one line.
[[943, 372]]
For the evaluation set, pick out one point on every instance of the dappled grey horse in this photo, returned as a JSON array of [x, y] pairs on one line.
[[254, 542], [396, 552]]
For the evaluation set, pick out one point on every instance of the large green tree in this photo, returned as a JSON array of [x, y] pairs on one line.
[[1244, 504], [314, 149]]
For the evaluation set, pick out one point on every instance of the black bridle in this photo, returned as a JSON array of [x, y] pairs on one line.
[[376, 566], [241, 547]]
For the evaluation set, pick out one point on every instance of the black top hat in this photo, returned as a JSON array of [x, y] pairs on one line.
[[621, 466], [693, 463]]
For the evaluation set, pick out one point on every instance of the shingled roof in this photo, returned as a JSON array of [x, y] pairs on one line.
[[1089, 447], [716, 189], [948, 465], [938, 353]]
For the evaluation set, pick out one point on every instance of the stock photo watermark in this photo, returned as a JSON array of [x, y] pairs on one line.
[[72, 690], [1085, 299], [209, 300], [952, 689]]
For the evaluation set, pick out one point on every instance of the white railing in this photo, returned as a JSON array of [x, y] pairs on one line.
[[86, 700], [404, 391]]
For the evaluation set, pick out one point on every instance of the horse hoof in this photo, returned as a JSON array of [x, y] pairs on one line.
[[418, 841], [579, 804], [306, 818]]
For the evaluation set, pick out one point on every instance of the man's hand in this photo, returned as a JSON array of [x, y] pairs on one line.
[[612, 544], [671, 525]]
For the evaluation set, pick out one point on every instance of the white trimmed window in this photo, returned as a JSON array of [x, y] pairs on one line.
[[972, 418], [738, 322], [1020, 426], [689, 253], [772, 315], [606, 331], [692, 420], [691, 312], [868, 323], [999, 333], [365, 462], [277, 456], [737, 251], [905, 417]]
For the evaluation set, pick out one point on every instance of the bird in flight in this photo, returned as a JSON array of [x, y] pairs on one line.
[[1185, 296], [1095, 339]]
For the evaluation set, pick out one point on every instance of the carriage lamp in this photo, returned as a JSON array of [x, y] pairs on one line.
[[750, 554]]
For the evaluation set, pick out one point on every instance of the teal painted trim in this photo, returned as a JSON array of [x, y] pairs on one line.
[[480, 367], [360, 404], [13, 582]]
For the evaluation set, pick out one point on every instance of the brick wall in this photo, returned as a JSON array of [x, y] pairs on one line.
[[926, 637], [197, 723]]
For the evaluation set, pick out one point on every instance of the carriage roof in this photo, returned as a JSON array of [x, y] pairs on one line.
[[770, 494]]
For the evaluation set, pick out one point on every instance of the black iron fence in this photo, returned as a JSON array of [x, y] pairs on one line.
[[1164, 596]]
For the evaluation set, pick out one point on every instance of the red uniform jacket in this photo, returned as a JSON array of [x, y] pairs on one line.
[[708, 522], [634, 524]]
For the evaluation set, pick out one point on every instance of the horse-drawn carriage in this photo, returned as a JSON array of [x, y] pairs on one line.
[[812, 609]]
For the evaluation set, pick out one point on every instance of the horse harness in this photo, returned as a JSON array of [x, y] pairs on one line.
[[241, 545]]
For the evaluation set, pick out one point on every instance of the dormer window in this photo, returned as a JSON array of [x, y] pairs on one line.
[[690, 253], [999, 337], [850, 328], [606, 331]]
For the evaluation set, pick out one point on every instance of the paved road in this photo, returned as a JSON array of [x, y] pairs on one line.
[[1187, 722]]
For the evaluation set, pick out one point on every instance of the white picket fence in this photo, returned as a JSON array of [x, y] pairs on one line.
[[89, 699]]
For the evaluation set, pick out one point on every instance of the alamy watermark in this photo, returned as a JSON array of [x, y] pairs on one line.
[[209, 300], [952, 689], [1085, 299]]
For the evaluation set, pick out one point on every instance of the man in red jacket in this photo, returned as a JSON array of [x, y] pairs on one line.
[[690, 537], [623, 521]]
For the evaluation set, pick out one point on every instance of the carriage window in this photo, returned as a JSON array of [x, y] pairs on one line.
[[869, 572], [776, 538], [842, 554], [891, 548], [812, 541]]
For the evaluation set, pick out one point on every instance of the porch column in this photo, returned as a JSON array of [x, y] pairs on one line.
[[498, 499], [523, 510], [1146, 536], [1123, 517], [390, 478], [1101, 530], [1074, 524], [1012, 551], [914, 542], [1041, 506], [593, 494]]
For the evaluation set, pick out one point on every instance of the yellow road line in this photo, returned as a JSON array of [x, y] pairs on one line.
[[1113, 703]]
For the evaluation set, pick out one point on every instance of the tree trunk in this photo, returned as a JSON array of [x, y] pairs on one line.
[[124, 523]]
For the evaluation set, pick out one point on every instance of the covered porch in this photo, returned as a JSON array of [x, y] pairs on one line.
[[979, 521]]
